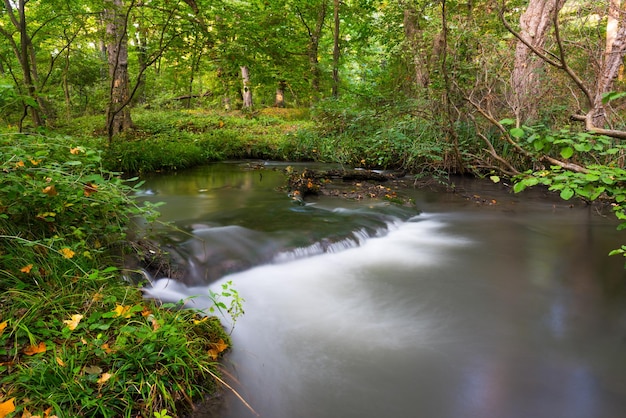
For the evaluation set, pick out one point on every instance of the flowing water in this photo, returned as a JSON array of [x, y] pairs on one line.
[[473, 304]]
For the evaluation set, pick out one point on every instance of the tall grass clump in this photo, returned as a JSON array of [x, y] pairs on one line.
[[383, 135], [75, 339]]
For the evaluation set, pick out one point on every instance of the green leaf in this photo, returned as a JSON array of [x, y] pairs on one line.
[[607, 180], [538, 145], [567, 152], [567, 193], [518, 187], [612, 95], [495, 179], [507, 121], [517, 133]]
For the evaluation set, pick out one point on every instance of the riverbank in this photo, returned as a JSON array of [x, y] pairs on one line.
[[75, 338]]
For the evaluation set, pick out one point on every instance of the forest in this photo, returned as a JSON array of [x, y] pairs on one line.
[[531, 93]]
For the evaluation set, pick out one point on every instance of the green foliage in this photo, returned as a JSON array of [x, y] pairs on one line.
[[602, 175], [234, 300], [180, 139], [356, 135], [73, 336], [102, 350], [62, 205]]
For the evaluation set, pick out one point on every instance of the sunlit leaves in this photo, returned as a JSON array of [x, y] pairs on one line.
[[73, 322], [7, 407], [50, 190], [105, 377], [121, 310], [31, 350], [67, 252], [217, 348]]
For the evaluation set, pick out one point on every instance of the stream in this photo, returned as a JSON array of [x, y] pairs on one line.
[[479, 303]]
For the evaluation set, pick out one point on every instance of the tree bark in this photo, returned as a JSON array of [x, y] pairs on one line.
[[23, 53], [613, 59], [280, 94], [525, 78], [118, 112], [246, 92], [336, 50], [315, 35], [413, 37]]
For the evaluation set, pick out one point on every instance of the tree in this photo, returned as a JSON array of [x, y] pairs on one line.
[[595, 91], [246, 92], [526, 75], [336, 50], [313, 18], [118, 113], [24, 51]]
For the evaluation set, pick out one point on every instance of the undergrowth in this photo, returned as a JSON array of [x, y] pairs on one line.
[[75, 339]]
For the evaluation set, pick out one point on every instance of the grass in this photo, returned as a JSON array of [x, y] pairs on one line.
[[75, 339], [173, 140]]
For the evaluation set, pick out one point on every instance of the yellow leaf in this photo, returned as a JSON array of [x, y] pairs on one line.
[[26, 269], [19, 164], [67, 252], [73, 322], [60, 362], [75, 151], [199, 321], [106, 348], [90, 189], [31, 350], [96, 297], [104, 378], [50, 190], [3, 325], [122, 310], [7, 407], [217, 348], [45, 215]]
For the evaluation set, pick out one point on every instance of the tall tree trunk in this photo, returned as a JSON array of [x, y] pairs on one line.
[[246, 92], [118, 112], [413, 37], [613, 59], [451, 132], [336, 50], [142, 60], [280, 94], [525, 79], [315, 34], [66, 86], [24, 55]]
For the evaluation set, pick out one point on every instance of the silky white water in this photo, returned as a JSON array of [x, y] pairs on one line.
[[512, 310]]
